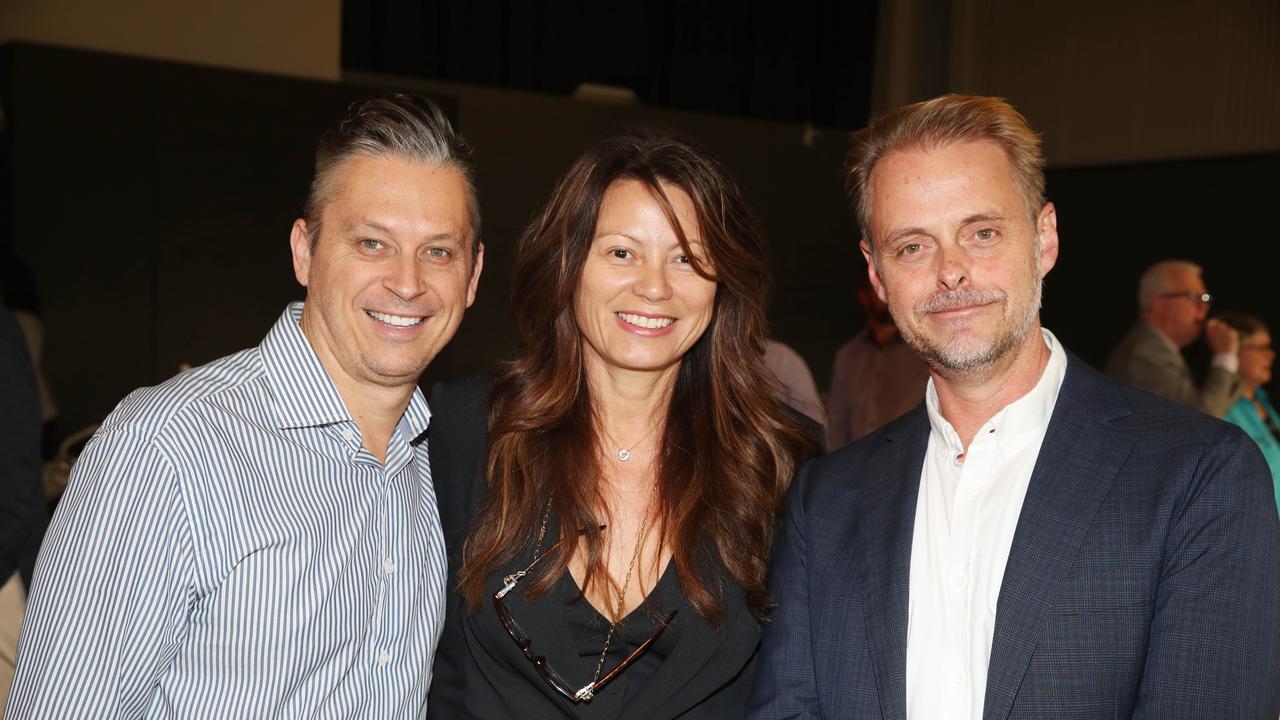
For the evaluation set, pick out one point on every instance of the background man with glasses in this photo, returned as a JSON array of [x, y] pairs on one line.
[[1174, 306]]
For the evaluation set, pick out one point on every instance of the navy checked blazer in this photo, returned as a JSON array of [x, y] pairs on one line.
[[1143, 580]]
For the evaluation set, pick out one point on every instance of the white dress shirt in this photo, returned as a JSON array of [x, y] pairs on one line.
[[965, 519]]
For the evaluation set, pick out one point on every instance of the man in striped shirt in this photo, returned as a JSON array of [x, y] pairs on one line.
[[259, 537]]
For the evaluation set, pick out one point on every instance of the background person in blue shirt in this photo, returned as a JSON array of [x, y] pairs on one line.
[[259, 537], [1253, 412]]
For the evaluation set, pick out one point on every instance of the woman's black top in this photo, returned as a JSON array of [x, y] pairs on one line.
[[589, 629], [693, 672]]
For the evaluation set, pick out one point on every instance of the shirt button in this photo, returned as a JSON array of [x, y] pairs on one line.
[[388, 567], [384, 657], [348, 435]]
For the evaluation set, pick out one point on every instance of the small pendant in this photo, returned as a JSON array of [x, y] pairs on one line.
[[624, 454]]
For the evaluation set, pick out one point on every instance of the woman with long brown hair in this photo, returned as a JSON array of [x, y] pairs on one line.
[[637, 454]]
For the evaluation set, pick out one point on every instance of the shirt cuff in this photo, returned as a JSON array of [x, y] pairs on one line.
[[1227, 361]]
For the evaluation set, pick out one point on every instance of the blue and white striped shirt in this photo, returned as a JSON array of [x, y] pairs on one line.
[[226, 548]]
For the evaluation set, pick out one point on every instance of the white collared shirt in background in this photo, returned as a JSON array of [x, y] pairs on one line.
[[965, 519]]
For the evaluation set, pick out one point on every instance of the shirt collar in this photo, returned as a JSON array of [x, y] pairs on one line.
[[305, 394], [1022, 421], [416, 418]]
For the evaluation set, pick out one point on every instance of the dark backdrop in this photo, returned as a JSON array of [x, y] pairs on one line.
[[800, 61], [153, 201]]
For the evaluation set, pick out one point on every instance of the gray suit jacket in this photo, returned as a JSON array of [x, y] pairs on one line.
[[1145, 360]]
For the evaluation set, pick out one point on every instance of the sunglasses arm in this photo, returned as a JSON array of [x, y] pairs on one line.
[[509, 582]]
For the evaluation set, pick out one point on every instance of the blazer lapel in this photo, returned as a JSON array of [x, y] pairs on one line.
[[687, 675], [1078, 462], [885, 527]]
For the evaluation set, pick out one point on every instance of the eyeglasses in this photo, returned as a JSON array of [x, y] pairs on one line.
[[553, 678], [1194, 297]]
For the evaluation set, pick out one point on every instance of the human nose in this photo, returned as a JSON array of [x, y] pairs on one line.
[[953, 267], [653, 284], [404, 277]]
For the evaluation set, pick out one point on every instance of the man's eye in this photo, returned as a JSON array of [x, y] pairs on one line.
[[371, 244], [439, 252], [911, 248], [985, 234]]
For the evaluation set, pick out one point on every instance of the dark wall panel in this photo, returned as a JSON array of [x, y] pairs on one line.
[[806, 60]]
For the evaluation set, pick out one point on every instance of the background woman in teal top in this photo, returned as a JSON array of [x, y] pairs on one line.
[[1254, 411]]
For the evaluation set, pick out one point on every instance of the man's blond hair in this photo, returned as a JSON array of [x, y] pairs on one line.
[[940, 122]]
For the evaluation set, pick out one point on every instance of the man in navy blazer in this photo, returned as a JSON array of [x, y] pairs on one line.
[[1035, 540]]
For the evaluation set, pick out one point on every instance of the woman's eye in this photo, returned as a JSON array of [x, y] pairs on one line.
[[620, 253], [683, 259]]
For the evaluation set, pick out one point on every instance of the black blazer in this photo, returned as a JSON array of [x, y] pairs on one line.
[[479, 672]]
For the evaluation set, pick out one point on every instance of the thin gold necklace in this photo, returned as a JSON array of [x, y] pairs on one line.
[[616, 612]]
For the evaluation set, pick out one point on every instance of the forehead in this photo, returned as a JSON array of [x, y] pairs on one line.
[[415, 195], [1182, 278], [630, 205], [917, 185]]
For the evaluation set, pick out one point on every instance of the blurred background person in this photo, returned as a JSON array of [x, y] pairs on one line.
[[1253, 411], [18, 289], [875, 376], [1174, 309], [798, 389], [637, 454], [22, 512]]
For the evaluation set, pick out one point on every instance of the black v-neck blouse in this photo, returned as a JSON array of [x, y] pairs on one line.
[[589, 629]]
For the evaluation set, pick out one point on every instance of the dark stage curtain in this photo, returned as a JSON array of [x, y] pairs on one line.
[[802, 61]]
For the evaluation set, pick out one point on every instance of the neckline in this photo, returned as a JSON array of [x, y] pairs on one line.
[[656, 595]]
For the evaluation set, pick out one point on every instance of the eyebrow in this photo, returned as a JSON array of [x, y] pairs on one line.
[[694, 243], [905, 232], [985, 217], [375, 225], [617, 233], [976, 217]]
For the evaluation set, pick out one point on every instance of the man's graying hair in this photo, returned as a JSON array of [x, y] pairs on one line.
[[391, 125], [1155, 279]]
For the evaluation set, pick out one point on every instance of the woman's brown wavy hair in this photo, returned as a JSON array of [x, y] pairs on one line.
[[730, 446]]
